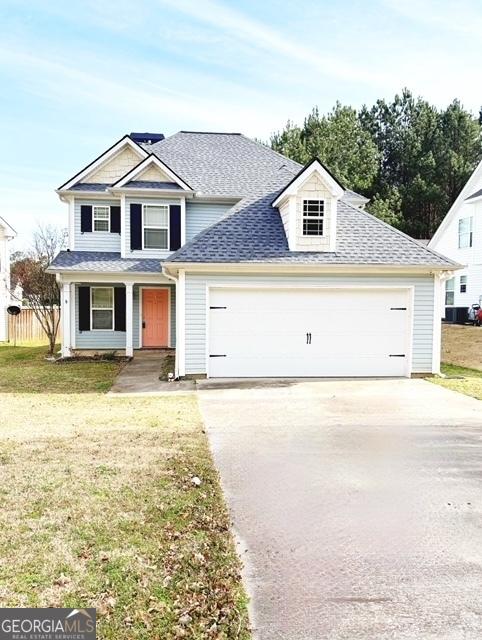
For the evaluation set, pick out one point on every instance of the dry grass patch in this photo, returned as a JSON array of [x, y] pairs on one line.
[[98, 509], [462, 345], [461, 379]]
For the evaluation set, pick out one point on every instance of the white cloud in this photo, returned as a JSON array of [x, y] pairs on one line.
[[261, 36]]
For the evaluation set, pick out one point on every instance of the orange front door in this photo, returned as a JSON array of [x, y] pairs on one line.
[[155, 317]]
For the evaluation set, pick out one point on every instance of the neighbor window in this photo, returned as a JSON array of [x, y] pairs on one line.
[[465, 232], [102, 308], [463, 284], [156, 226], [313, 212], [101, 217], [450, 291]]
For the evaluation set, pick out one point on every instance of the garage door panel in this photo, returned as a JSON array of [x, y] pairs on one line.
[[353, 332]]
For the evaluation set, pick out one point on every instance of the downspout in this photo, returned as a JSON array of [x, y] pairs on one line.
[[176, 358]]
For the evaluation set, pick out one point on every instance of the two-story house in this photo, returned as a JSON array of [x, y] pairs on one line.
[[6, 235], [459, 237], [245, 261]]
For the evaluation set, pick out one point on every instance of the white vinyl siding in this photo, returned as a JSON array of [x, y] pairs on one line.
[[106, 340], [95, 240], [196, 309], [200, 215]]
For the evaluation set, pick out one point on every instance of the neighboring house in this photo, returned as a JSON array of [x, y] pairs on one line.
[[460, 237], [246, 262], [6, 235]]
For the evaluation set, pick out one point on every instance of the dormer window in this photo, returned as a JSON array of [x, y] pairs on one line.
[[313, 217]]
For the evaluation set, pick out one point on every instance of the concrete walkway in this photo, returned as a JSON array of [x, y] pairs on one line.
[[140, 376], [357, 504]]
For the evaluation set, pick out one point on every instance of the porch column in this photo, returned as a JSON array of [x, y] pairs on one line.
[[65, 311], [129, 319]]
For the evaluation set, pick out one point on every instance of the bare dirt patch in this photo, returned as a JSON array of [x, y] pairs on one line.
[[462, 345]]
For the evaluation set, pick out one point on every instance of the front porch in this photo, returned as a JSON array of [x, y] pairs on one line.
[[105, 316]]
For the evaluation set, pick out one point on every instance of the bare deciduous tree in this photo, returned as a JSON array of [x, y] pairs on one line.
[[40, 289]]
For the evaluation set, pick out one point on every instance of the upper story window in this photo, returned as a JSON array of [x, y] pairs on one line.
[[450, 292], [156, 226], [313, 217], [101, 218], [102, 308], [465, 232]]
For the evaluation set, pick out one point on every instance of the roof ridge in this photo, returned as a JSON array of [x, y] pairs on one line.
[[269, 149], [211, 133], [367, 214]]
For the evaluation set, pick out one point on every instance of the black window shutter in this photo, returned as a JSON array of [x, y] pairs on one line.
[[119, 309], [84, 308], [85, 218], [136, 226], [115, 219], [175, 227]]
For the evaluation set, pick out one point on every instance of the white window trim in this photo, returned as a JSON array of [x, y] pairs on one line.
[[103, 206], [463, 281], [156, 227], [102, 309], [317, 218], [469, 233]]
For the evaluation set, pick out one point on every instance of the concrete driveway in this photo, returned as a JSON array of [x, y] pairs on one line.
[[357, 505]]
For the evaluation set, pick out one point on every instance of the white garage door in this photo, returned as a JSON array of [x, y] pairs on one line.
[[308, 332]]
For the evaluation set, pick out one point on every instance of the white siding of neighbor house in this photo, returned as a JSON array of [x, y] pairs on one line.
[[200, 215], [195, 337], [94, 240], [470, 257], [111, 340]]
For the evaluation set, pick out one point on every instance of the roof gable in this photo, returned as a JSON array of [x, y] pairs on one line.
[[315, 166], [467, 193], [89, 172], [9, 231], [152, 165]]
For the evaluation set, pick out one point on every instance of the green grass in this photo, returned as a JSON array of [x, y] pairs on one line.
[[25, 367], [98, 507], [461, 379]]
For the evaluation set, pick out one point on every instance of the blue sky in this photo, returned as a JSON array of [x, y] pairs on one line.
[[76, 76]]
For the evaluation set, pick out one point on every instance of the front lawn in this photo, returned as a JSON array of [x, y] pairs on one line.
[[25, 368], [462, 379], [99, 508]]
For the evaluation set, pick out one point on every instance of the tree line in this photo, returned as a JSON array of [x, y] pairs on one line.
[[410, 158]]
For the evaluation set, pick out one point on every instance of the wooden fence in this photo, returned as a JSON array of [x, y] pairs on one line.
[[27, 327]]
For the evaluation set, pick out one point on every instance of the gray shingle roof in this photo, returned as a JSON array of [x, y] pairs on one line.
[[103, 262], [90, 186], [147, 184], [477, 194], [231, 164], [256, 234]]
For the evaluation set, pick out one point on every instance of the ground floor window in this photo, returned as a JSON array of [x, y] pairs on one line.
[[450, 292], [102, 308], [463, 284]]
